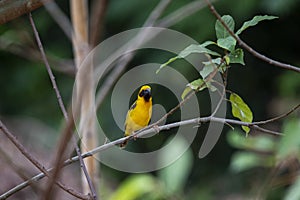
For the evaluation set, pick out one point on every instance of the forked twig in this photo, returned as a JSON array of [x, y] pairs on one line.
[[247, 47], [150, 130], [68, 133], [36, 163]]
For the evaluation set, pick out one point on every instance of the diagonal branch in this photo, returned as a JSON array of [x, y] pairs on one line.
[[68, 131], [124, 60], [59, 16], [11, 9], [181, 13], [52, 78], [85, 89], [98, 11], [278, 117], [35, 162], [148, 130], [247, 47]]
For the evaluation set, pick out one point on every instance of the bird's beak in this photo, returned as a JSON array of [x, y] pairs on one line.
[[148, 91], [147, 94]]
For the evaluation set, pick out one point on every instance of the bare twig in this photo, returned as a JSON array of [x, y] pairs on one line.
[[20, 170], [35, 162], [97, 18], [181, 13], [123, 61], [52, 78], [60, 156], [222, 97], [11, 9], [59, 16], [247, 47], [26, 51], [168, 21], [80, 28], [61, 104], [148, 130], [278, 117], [85, 89], [68, 132]]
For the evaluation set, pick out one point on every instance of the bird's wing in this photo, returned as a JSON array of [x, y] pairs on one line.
[[127, 115], [133, 106]]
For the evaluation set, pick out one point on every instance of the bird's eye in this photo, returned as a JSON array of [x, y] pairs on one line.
[[142, 93]]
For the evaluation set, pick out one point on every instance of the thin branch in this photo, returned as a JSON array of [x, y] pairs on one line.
[[156, 13], [278, 117], [28, 52], [68, 133], [52, 78], [97, 19], [248, 48], [60, 156], [35, 162], [124, 60], [80, 30], [61, 104], [181, 13], [59, 16], [149, 130], [222, 97], [19, 170], [11, 9], [168, 21], [87, 124]]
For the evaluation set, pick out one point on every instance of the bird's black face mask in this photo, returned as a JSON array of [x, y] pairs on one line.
[[146, 94]]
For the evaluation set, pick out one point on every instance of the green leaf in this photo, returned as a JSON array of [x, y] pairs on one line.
[[290, 142], [221, 32], [293, 192], [197, 84], [185, 92], [216, 61], [254, 22], [207, 43], [208, 68], [227, 60], [135, 187], [227, 43], [237, 56], [241, 110], [194, 48], [175, 175], [210, 86], [166, 63]]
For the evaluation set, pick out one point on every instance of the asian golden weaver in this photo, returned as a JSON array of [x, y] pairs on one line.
[[139, 114]]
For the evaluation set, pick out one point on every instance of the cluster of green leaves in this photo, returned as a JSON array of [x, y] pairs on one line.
[[266, 151], [217, 62]]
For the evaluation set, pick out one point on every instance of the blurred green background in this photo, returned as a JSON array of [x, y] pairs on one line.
[[237, 168]]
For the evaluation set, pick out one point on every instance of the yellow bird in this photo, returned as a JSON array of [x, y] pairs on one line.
[[139, 114]]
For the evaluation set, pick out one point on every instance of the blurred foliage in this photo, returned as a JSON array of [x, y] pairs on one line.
[[276, 157], [237, 167]]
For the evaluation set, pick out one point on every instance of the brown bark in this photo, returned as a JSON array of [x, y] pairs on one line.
[[11, 9]]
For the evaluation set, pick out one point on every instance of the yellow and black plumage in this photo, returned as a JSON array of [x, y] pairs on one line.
[[139, 114]]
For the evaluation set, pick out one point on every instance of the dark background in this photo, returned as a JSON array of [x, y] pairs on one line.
[[28, 102]]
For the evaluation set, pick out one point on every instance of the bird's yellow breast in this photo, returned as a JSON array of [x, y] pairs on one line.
[[138, 116]]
